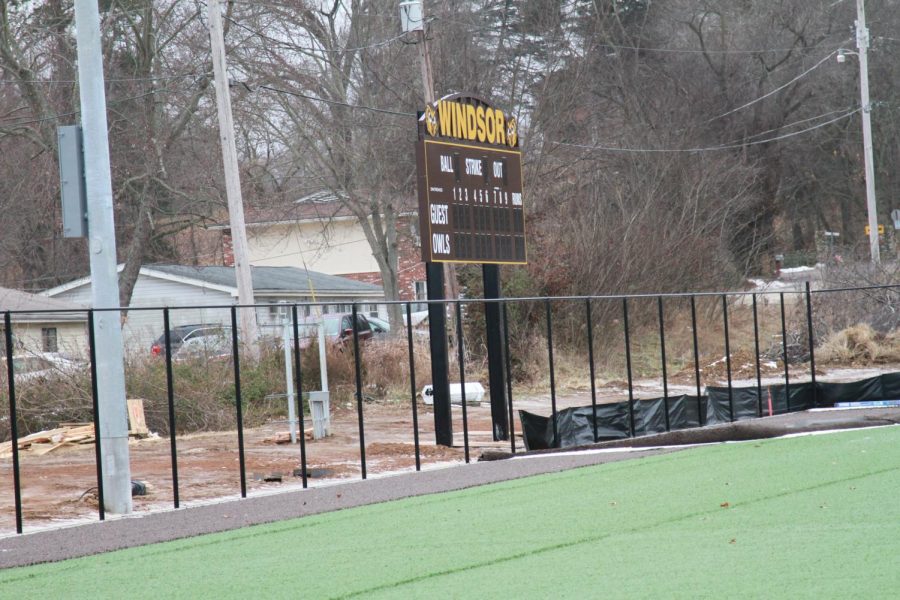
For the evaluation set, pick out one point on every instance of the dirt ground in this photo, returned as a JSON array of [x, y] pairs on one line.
[[60, 486]]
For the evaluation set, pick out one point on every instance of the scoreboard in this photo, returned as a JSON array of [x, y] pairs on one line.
[[470, 203]]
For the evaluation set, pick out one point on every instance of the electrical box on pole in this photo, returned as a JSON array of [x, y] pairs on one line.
[[72, 188]]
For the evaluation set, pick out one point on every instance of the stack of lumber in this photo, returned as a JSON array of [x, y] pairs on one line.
[[42, 442], [72, 434]]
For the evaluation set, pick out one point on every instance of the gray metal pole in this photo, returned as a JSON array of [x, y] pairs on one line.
[[249, 329], [113, 416], [862, 43]]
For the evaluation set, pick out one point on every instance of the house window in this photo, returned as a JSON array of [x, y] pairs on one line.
[[49, 340], [421, 291]]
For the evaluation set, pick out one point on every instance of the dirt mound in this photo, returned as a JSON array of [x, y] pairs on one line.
[[399, 449]]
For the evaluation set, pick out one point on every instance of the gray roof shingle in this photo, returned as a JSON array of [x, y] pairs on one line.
[[16, 300], [274, 279]]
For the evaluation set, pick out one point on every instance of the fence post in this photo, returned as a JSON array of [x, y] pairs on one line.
[[662, 346], [552, 371], [95, 404], [696, 361], [299, 383], [784, 350], [412, 384], [758, 371], [628, 366], [14, 422], [728, 356], [359, 395], [170, 397], [236, 361], [509, 395], [812, 345], [590, 336], [462, 377]]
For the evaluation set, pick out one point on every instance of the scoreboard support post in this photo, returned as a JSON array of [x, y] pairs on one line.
[[496, 375], [440, 370]]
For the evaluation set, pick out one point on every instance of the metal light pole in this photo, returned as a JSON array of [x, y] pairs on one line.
[[112, 414], [862, 43]]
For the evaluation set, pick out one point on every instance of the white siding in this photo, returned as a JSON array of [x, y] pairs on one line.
[[143, 327], [337, 248]]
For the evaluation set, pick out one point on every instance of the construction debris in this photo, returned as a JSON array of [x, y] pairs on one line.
[[42, 442], [75, 434]]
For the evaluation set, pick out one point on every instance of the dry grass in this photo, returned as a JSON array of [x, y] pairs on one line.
[[859, 345]]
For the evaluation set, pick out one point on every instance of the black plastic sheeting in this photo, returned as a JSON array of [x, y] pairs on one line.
[[578, 426]]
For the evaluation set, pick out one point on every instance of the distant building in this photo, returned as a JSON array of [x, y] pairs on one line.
[[319, 232], [188, 287], [64, 330]]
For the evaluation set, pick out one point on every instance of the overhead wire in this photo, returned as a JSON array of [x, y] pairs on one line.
[[336, 102], [729, 146], [774, 91], [75, 112]]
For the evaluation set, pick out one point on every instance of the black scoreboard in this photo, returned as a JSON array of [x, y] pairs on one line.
[[470, 203]]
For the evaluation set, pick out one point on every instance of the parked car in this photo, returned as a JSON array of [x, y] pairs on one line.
[[380, 327], [215, 345], [180, 334], [338, 328], [41, 365]]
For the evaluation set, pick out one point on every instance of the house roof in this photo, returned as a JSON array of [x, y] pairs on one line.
[[271, 279], [318, 206], [290, 281], [16, 300]]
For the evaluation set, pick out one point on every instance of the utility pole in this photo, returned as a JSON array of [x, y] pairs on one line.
[[862, 44], [249, 329], [452, 289], [112, 417], [412, 16]]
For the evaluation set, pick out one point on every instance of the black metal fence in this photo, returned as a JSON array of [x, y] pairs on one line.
[[574, 304]]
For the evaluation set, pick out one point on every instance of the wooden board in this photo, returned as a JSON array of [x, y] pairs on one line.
[[137, 425]]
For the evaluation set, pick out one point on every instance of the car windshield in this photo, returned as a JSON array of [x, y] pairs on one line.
[[332, 325]]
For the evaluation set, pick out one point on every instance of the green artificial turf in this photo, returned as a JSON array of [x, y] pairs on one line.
[[809, 517]]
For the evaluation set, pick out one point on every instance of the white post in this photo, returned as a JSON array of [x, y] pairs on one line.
[[323, 362], [249, 329], [113, 416], [286, 340], [862, 43]]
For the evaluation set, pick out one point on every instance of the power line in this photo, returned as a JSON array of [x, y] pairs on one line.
[[775, 91], [75, 112], [109, 79], [292, 46], [710, 148], [336, 102], [795, 123]]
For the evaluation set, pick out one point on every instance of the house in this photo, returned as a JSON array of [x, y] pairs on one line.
[[201, 295], [62, 330], [319, 232]]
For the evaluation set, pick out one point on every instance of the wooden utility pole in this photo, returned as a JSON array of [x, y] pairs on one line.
[[862, 44], [450, 284], [249, 329]]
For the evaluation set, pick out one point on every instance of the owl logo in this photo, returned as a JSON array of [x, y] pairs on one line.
[[512, 132], [431, 122]]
